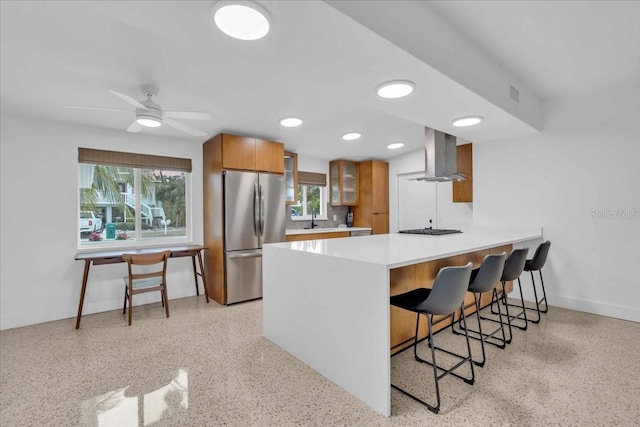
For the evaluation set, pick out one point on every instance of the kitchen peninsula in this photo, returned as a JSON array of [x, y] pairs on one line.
[[326, 302]]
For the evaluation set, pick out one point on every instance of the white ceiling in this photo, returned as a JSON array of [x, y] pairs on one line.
[[557, 48], [316, 63]]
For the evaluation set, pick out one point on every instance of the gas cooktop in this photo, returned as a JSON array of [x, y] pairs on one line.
[[430, 231]]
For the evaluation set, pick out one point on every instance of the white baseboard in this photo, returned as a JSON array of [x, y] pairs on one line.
[[594, 307], [603, 309]]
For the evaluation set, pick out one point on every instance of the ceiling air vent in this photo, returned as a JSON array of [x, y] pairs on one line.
[[514, 94]]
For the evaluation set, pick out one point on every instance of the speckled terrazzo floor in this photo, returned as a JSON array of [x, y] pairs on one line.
[[571, 369]]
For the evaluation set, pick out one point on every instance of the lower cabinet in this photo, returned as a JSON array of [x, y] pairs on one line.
[[314, 236]]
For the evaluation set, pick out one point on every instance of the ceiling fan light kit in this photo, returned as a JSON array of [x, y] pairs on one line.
[[149, 114], [148, 121]]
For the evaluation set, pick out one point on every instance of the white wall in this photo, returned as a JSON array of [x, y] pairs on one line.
[[448, 214], [40, 280], [586, 158], [311, 164]]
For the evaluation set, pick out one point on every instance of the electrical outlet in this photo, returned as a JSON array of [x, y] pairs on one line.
[[335, 217]]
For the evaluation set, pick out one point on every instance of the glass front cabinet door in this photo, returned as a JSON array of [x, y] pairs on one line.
[[344, 183], [290, 178]]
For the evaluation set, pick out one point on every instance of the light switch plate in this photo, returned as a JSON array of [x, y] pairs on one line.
[[335, 217]]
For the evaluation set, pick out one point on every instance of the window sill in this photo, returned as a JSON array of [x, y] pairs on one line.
[[132, 244]]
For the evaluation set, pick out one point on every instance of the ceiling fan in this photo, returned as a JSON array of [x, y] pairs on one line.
[[150, 114]]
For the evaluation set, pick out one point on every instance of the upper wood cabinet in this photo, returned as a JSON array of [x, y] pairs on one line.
[[463, 190], [246, 153], [238, 152], [290, 178], [344, 183], [269, 156], [373, 207]]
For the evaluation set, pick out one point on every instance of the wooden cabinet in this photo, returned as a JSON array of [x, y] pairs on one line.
[[290, 178], [463, 190], [316, 236], [222, 152], [252, 154], [344, 183], [379, 223], [269, 156], [373, 207]]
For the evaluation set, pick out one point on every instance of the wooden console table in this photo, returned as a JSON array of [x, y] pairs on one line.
[[113, 257]]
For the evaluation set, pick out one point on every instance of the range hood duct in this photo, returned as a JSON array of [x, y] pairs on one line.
[[440, 157]]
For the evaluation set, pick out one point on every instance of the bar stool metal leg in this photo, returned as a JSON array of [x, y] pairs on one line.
[[481, 336], [522, 315], [435, 409]]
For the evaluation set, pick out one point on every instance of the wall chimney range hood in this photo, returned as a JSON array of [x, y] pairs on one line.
[[440, 157]]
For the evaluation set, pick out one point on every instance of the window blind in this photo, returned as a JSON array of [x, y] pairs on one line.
[[312, 178], [132, 160]]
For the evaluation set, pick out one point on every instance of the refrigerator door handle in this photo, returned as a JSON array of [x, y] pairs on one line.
[[246, 255], [256, 209], [261, 211]]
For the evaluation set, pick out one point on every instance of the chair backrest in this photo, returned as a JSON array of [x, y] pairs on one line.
[[489, 274], [448, 290], [515, 264], [147, 260], [540, 257]]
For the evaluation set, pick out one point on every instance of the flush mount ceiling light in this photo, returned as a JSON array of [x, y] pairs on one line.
[[291, 122], [395, 145], [240, 19], [351, 136], [467, 121], [395, 89]]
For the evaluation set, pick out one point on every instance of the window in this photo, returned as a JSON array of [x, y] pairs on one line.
[[121, 205], [311, 199]]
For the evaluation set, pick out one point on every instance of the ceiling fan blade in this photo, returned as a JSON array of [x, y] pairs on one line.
[[78, 107], [183, 128], [135, 127], [192, 115], [128, 99]]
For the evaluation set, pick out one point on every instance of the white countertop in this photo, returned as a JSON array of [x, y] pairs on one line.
[[294, 231], [397, 250]]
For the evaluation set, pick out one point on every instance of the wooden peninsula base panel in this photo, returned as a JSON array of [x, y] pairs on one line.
[[422, 275]]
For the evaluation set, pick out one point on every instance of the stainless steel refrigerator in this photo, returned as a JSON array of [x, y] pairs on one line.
[[254, 214]]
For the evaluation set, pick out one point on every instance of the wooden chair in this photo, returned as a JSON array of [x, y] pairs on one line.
[[139, 282]]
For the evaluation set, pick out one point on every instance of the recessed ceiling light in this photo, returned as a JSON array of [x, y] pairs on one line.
[[350, 136], [395, 145], [291, 122], [467, 121], [240, 19], [148, 121], [395, 89]]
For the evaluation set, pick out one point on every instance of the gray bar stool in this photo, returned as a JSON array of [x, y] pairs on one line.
[[444, 298], [513, 268], [485, 279], [536, 263]]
